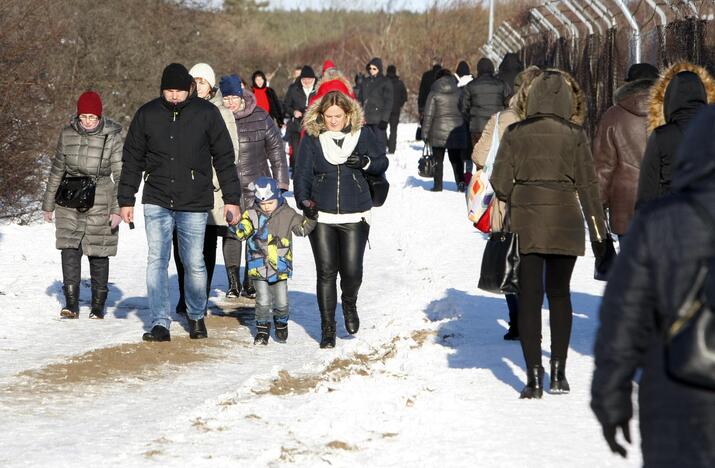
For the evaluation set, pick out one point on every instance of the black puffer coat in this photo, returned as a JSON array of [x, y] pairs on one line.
[[174, 147], [648, 283], [295, 100], [675, 100], [428, 79], [259, 141], [443, 123], [375, 95], [336, 188], [484, 96]]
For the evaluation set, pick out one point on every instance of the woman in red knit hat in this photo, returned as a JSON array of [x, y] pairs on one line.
[[91, 145]]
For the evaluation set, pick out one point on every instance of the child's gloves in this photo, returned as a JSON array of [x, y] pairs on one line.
[[310, 209]]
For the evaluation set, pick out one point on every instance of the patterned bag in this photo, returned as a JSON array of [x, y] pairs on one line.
[[480, 192]]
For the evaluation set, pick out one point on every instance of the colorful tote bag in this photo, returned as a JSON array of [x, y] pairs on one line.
[[480, 192]]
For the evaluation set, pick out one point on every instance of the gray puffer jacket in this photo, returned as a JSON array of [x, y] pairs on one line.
[[444, 124], [259, 142], [484, 96], [78, 154]]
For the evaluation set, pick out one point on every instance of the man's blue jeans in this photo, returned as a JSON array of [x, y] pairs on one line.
[[190, 229]]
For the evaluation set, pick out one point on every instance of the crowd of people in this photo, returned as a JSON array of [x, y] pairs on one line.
[[212, 157]]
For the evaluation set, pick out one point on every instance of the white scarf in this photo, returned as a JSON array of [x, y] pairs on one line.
[[333, 153]]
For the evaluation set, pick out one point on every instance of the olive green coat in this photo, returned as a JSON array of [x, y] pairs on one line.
[[544, 168], [78, 154]]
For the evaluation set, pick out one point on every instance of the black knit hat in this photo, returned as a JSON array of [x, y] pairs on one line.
[[307, 72], [176, 76], [641, 71], [463, 68]]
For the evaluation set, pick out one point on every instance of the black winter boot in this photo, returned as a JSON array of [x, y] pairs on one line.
[[234, 282], [281, 324], [512, 334], [71, 308], [157, 333], [327, 327], [352, 321], [534, 383], [99, 297], [197, 329], [558, 383], [248, 290], [263, 332]]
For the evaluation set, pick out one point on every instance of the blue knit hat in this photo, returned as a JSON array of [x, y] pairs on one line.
[[231, 85], [266, 189]]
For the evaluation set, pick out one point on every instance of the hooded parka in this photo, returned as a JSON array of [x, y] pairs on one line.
[[443, 124], [544, 170], [78, 154], [675, 99], [259, 141], [662, 252], [618, 149], [376, 96]]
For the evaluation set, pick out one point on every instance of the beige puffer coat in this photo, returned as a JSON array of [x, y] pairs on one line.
[[216, 215], [78, 154]]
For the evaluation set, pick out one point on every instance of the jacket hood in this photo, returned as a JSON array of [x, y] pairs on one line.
[[685, 97], [522, 83], [485, 67], [556, 92], [633, 96], [314, 125], [250, 99], [378, 63], [446, 85], [695, 161]]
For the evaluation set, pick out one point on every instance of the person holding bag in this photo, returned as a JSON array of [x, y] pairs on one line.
[[544, 169], [335, 154], [90, 147], [488, 145]]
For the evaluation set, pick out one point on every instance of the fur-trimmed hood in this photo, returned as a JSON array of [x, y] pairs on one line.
[[660, 108], [547, 95], [632, 96], [314, 125]]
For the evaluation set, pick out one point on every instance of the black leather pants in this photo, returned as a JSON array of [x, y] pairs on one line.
[[338, 248]]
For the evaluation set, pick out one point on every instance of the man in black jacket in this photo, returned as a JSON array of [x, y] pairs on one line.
[[375, 95], [428, 79], [483, 96], [399, 93], [173, 140], [294, 106]]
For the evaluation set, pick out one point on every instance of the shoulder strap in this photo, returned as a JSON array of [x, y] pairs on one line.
[[101, 154]]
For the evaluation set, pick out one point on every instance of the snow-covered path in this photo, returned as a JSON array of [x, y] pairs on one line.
[[428, 381]]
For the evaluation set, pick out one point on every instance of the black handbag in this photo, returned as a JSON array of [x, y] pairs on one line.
[[690, 340], [379, 188], [500, 262], [418, 134], [427, 163], [78, 191]]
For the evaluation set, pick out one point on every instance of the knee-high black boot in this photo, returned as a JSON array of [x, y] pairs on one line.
[[99, 297], [71, 308]]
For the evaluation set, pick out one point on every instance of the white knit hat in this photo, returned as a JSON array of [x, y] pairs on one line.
[[204, 70]]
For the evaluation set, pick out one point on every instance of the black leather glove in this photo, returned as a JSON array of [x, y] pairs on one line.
[[310, 209], [609, 433], [605, 255], [357, 161], [382, 125], [283, 190]]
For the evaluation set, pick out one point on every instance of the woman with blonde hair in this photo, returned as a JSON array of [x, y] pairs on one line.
[[335, 154]]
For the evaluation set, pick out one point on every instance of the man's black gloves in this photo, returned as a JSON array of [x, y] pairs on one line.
[[609, 433], [310, 209], [382, 125], [357, 161]]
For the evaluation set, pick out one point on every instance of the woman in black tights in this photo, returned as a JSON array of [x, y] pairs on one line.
[[334, 156], [544, 171]]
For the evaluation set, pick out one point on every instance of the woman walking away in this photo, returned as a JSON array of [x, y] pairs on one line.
[[545, 173], [675, 99], [335, 154], [652, 280], [266, 97], [501, 121], [91, 145], [445, 128]]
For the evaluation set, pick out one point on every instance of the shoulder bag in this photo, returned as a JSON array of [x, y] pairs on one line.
[[78, 191]]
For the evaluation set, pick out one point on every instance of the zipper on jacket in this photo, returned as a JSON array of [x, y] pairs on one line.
[[174, 114], [338, 191], [192, 175], [595, 226]]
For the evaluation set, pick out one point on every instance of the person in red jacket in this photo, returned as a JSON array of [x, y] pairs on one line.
[[266, 97]]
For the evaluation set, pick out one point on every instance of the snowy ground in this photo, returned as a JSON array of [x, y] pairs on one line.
[[428, 381]]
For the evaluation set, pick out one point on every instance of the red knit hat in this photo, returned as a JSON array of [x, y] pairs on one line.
[[332, 85], [327, 65], [89, 103]]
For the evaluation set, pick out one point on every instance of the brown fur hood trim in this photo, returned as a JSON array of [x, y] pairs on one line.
[[579, 108], [656, 113], [314, 125]]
